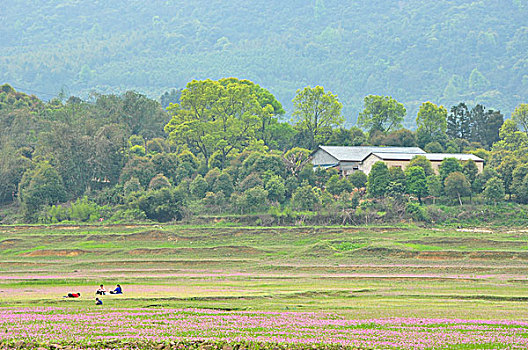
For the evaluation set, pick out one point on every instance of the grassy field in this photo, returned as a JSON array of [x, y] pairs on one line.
[[363, 275]]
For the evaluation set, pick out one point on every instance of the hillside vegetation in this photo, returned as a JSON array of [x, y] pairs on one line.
[[443, 51], [223, 151]]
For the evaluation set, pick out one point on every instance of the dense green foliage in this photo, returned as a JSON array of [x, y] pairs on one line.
[[221, 149], [442, 51]]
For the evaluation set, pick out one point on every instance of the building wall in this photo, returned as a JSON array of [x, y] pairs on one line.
[[321, 157], [348, 168], [367, 164], [436, 166]]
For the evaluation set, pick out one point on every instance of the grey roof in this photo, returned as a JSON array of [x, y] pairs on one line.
[[430, 156], [358, 153]]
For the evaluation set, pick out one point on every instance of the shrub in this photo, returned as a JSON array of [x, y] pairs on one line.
[[417, 212], [304, 198], [162, 205], [358, 179], [494, 190], [198, 187]]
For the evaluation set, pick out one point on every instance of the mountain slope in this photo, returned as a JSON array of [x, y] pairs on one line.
[[446, 51]]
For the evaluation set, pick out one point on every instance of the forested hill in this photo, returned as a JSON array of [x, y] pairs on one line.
[[413, 50]]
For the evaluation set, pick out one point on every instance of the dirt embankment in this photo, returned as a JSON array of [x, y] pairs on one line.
[[444, 255], [56, 252], [223, 250]]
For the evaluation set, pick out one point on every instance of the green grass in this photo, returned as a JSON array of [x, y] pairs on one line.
[[387, 271]]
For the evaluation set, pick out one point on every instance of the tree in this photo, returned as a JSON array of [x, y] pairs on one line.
[[346, 137], [434, 186], [400, 138], [422, 162], [162, 205], [166, 164], [132, 185], [378, 180], [485, 125], [416, 182], [198, 187], [519, 174], [397, 182], [224, 183], [12, 168], [511, 139], [296, 159], [139, 167], [172, 96], [520, 116], [482, 178], [276, 189], [316, 111], [522, 192], [494, 190], [336, 185], [459, 122], [253, 199], [457, 186], [71, 154], [305, 198], [216, 116], [448, 166], [39, 187], [431, 120], [505, 170], [434, 147], [159, 181], [358, 179], [470, 170], [381, 113], [111, 143]]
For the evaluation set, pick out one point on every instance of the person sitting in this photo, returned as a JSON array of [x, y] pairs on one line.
[[98, 301], [118, 290], [101, 290]]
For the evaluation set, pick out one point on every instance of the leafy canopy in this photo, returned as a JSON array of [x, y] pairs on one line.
[[381, 113], [316, 111]]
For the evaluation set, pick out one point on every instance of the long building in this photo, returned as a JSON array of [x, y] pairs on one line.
[[349, 159]]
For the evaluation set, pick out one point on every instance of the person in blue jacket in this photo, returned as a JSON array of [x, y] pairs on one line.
[[118, 290], [98, 301]]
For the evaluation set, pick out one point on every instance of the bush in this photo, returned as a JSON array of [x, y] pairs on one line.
[[82, 210], [358, 179], [162, 205], [198, 187], [304, 198], [417, 212]]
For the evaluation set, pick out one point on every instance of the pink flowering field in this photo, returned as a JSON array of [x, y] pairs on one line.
[[84, 327], [264, 288]]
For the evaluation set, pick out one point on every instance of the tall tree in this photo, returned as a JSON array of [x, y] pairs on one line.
[[485, 125], [448, 166], [378, 180], [494, 190], [456, 186], [316, 111], [216, 116], [520, 116], [40, 187], [381, 113], [459, 122], [416, 182], [431, 122]]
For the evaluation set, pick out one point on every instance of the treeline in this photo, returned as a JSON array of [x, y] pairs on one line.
[[223, 149]]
